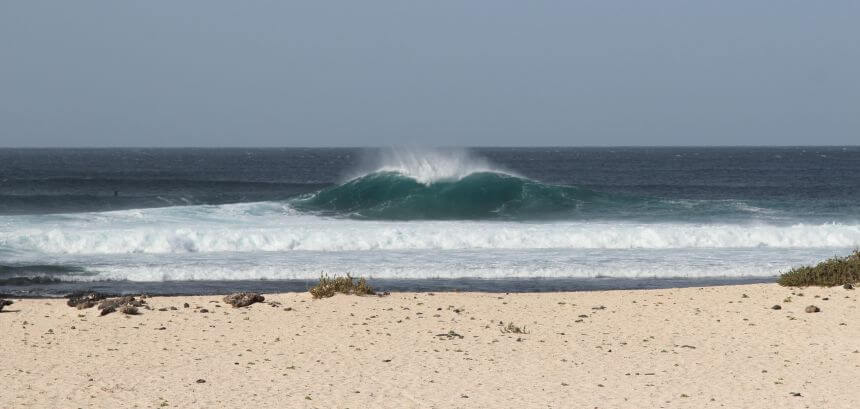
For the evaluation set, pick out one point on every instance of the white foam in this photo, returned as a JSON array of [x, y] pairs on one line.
[[271, 241], [271, 227], [442, 264]]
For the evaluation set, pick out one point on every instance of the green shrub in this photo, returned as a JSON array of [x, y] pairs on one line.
[[834, 271], [329, 286]]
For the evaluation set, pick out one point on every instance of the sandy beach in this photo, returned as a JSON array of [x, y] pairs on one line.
[[692, 347]]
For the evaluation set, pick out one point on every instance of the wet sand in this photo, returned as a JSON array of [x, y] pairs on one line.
[[688, 347]]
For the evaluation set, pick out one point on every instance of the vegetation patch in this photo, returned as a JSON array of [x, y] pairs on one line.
[[831, 272], [329, 286]]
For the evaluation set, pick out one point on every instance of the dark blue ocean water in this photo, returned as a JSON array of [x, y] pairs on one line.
[[125, 218], [793, 182]]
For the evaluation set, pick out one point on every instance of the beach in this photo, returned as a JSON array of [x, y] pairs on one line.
[[429, 205], [722, 346]]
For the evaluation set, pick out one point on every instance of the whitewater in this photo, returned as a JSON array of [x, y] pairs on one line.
[[274, 227], [426, 215]]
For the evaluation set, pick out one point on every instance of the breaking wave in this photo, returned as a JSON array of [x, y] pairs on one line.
[[392, 195], [285, 233]]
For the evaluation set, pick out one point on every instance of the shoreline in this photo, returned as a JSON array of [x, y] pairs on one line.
[[721, 346], [465, 284]]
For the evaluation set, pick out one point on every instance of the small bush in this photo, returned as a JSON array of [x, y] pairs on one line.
[[831, 272], [329, 286]]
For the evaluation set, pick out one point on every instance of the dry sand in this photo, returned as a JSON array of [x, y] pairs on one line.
[[693, 347]]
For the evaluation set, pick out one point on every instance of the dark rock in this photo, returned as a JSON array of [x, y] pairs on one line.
[[4, 303], [84, 300], [119, 302], [812, 308], [776, 307], [450, 335], [848, 286], [173, 308], [203, 310], [105, 304], [186, 305], [128, 310], [243, 299], [126, 305], [201, 381]]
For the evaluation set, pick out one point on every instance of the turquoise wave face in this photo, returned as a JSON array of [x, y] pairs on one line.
[[482, 195]]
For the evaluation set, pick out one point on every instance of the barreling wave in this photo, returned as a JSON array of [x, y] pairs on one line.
[[393, 195]]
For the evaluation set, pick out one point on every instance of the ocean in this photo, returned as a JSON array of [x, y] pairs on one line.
[[168, 221]]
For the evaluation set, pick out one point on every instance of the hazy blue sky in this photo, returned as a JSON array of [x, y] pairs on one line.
[[488, 72]]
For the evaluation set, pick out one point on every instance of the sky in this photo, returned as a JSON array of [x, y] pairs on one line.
[[438, 73]]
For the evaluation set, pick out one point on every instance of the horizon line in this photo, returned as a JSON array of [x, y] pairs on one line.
[[430, 147]]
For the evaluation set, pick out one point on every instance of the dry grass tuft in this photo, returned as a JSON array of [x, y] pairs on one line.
[[329, 286], [831, 272]]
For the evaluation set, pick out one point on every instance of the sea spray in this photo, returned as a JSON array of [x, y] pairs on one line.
[[427, 165]]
